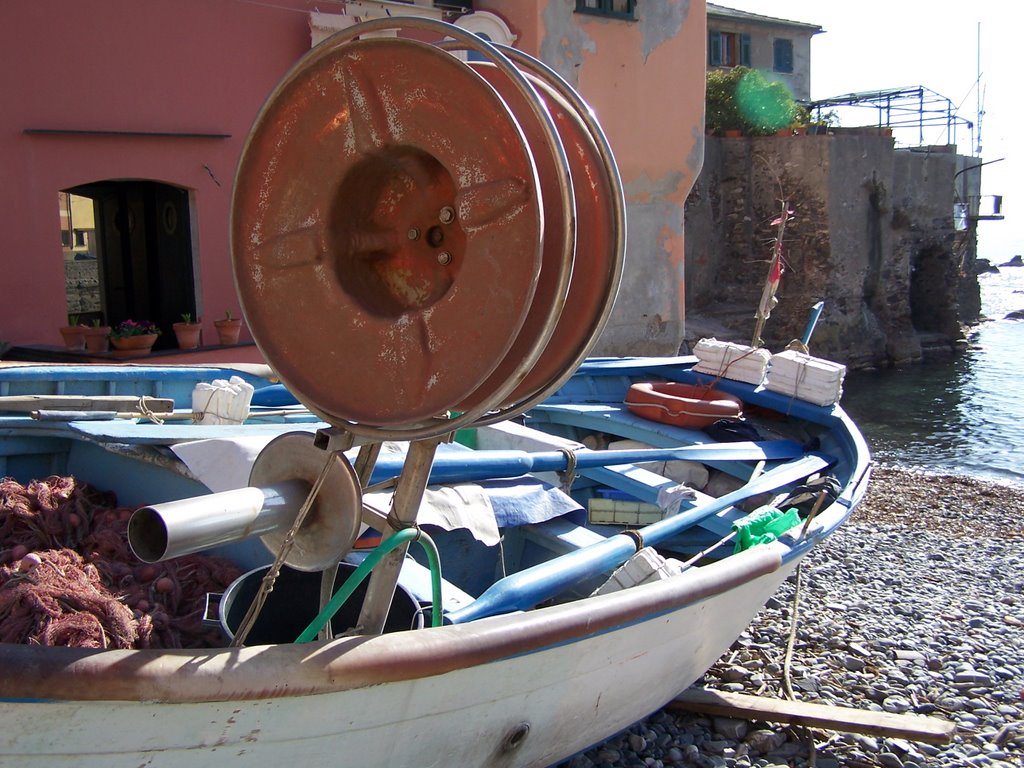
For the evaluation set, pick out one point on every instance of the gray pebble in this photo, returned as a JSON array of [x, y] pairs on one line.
[[903, 610]]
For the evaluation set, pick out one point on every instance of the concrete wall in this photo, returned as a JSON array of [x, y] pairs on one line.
[[645, 81], [871, 235]]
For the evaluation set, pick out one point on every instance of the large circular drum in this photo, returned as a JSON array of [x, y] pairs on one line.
[[404, 231]]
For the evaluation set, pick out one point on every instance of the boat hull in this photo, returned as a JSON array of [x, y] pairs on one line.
[[582, 671]]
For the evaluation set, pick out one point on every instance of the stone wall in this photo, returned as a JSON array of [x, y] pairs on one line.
[[871, 235], [82, 285]]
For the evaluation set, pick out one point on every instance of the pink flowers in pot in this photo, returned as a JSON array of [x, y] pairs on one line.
[[134, 328]]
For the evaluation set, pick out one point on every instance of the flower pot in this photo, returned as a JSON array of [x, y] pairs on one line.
[[74, 337], [96, 338], [733, 133], [187, 334], [228, 330], [138, 345]]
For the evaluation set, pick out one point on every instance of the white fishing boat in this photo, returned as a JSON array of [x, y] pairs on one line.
[[404, 289]]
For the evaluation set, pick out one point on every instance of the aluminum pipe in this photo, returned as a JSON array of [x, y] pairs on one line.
[[177, 528]]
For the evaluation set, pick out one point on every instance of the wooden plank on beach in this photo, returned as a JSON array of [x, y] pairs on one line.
[[924, 728], [28, 403]]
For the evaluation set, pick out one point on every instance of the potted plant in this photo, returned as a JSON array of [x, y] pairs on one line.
[[188, 332], [742, 102], [228, 328], [134, 336], [96, 337], [73, 334]]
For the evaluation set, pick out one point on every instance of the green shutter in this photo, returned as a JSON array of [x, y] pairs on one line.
[[745, 49], [714, 48]]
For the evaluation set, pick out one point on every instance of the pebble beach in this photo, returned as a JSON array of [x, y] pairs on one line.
[[914, 606]]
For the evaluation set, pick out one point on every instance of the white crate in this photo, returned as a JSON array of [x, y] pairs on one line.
[[623, 512], [643, 567], [804, 377], [727, 360]]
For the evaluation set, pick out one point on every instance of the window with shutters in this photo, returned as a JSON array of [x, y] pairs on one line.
[[783, 55], [728, 49]]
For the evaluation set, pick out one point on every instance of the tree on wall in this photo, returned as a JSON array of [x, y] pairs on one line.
[[743, 99]]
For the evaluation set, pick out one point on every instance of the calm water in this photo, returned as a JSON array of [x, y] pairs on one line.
[[964, 415]]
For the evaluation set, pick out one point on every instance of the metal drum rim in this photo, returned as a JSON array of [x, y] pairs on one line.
[[438, 425]]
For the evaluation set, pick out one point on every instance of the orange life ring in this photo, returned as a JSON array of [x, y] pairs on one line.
[[681, 405]]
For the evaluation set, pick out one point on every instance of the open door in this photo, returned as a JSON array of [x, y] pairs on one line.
[[144, 253]]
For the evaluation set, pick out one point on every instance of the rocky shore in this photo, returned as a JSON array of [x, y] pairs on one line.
[[914, 606]]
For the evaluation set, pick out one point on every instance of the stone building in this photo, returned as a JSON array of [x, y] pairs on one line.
[[886, 237], [872, 234]]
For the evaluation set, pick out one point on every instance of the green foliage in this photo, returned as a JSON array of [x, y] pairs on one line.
[[743, 99], [720, 110]]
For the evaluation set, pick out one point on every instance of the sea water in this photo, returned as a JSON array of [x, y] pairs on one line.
[[964, 415]]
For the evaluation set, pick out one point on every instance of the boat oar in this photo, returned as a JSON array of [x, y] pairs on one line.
[[49, 415], [525, 589], [467, 466], [46, 415], [28, 403]]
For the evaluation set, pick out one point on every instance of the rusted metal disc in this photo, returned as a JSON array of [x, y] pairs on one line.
[[600, 237], [594, 276], [330, 528], [542, 320], [386, 231]]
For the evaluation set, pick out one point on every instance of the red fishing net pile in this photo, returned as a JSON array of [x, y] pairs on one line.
[[68, 576]]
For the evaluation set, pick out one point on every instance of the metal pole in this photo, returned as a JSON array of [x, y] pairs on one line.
[[404, 507]]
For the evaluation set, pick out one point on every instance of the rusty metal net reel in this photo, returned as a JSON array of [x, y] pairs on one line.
[[420, 243]]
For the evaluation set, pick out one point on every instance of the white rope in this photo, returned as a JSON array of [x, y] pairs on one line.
[[145, 410]]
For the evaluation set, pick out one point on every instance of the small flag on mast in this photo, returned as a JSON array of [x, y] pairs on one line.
[[775, 270]]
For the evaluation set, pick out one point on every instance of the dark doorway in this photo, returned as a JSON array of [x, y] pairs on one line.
[[144, 249], [933, 282]]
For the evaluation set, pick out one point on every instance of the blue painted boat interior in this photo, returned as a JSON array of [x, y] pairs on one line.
[[133, 460]]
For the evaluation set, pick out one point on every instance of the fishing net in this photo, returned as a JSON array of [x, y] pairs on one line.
[[68, 576]]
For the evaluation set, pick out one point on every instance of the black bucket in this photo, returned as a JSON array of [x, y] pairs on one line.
[[295, 602]]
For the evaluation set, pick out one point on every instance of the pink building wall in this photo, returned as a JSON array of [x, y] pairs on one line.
[[121, 65], [206, 66], [645, 81]]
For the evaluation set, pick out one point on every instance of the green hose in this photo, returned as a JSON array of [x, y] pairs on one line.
[[401, 537]]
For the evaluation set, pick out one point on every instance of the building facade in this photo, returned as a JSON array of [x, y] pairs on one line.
[[779, 48], [142, 110]]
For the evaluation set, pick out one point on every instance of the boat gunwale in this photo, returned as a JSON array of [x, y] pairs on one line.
[[288, 670]]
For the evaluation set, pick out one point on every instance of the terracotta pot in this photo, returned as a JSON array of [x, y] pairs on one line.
[[74, 337], [228, 330], [139, 345], [96, 338], [188, 334]]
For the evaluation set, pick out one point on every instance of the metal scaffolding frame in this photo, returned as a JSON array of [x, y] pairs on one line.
[[911, 107]]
